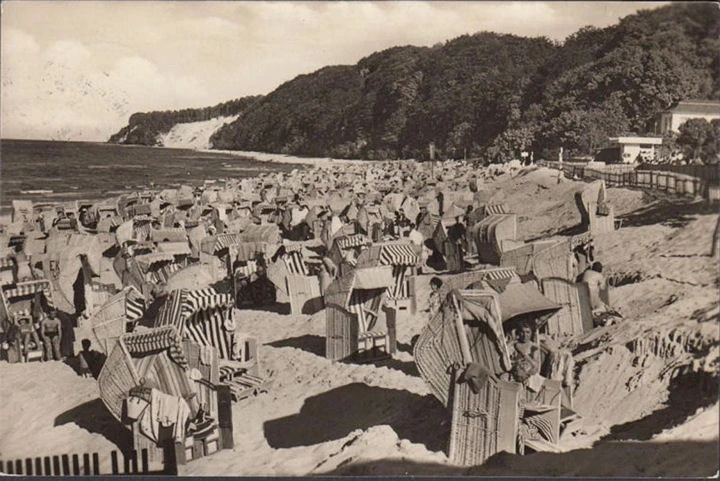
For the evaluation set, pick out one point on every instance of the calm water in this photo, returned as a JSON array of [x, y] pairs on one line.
[[89, 170]]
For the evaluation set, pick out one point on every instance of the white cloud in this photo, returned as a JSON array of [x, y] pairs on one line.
[[83, 67]]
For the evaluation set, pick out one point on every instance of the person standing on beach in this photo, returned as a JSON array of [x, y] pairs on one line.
[[51, 333], [596, 283], [27, 334]]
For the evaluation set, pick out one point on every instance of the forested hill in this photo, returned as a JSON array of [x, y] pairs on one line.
[[486, 94], [144, 128]]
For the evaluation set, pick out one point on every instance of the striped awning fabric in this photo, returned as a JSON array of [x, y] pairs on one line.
[[487, 226], [352, 241], [544, 423], [206, 299], [225, 240], [401, 288], [201, 315], [293, 247], [134, 304], [207, 327], [165, 337], [295, 263], [500, 273], [493, 209], [154, 258], [28, 288], [398, 255], [111, 222], [141, 232], [247, 270]]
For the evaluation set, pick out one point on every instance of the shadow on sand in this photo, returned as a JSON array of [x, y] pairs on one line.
[[336, 413], [309, 343], [688, 393], [629, 459], [93, 416], [316, 345], [675, 214]]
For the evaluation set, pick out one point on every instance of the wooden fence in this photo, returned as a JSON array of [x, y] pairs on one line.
[[88, 464], [709, 173], [665, 181]]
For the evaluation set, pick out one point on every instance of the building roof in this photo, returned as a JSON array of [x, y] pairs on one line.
[[697, 107], [636, 140]]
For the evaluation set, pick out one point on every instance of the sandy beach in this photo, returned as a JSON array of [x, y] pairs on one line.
[[322, 417]]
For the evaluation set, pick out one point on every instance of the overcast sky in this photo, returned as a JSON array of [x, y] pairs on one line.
[[77, 70]]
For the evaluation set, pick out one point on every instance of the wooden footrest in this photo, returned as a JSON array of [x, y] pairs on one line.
[[246, 385]]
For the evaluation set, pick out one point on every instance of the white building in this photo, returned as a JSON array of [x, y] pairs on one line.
[[672, 119], [630, 148]]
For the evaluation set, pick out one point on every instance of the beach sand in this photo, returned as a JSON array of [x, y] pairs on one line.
[[322, 417]]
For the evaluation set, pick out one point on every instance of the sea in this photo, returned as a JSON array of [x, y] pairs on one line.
[[55, 171]]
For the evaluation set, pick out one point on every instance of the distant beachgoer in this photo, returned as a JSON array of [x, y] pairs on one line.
[[596, 283], [434, 300], [415, 236]]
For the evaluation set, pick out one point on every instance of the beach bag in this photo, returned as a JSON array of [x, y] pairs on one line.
[[134, 407]]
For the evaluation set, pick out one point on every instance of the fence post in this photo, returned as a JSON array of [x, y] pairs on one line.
[[38, 467], [134, 461], [66, 464], [170, 462], [76, 465], [114, 462], [144, 460], [29, 466], [86, 464], [225, 416]]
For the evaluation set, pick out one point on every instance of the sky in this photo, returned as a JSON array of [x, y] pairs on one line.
[[77, 70]]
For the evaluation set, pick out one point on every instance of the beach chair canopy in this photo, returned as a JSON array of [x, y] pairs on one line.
[[154, 357], [520, 299], [389, 254], [203, 315], [348, 242], [169, 234], [474, 315], [269, 233], [175, 248]]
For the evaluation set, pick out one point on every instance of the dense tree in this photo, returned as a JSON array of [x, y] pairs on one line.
[[699, 139]]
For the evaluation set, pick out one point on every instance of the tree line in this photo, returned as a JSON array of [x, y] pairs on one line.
[[484, 96]]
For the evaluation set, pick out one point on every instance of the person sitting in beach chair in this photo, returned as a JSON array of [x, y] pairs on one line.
[[434, 300], [527, 358]]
